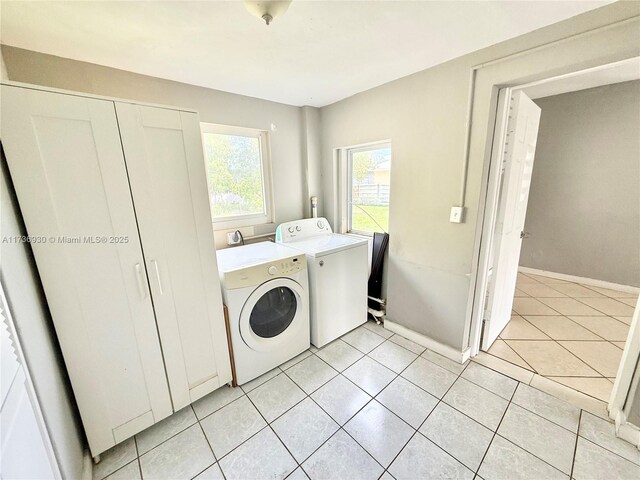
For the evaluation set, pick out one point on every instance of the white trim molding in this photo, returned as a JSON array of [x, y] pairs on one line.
[[626, 382], [583, 280], [427, 342], [626, 430]]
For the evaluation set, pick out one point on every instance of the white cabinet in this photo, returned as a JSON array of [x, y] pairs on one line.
[[114, 198], [168, 181]]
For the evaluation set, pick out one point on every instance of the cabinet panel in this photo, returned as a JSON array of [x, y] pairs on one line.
[[165, 162], [66, 162]]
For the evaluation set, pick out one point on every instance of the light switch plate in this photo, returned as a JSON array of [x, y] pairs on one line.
[[456, 214]]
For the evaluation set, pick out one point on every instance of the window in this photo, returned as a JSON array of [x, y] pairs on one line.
[[237, 175], [368, 170]]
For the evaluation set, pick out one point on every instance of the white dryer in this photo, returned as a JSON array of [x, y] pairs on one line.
[[338, 276], [265, 288]]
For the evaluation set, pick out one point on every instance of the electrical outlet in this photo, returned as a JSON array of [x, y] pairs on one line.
[[456, 214]]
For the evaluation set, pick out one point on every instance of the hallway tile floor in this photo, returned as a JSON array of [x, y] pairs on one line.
[[570, 333], [373, 406]]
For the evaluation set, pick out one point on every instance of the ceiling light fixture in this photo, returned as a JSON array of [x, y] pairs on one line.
[[267, 10]]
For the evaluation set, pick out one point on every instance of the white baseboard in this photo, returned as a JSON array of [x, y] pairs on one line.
[[427, 342], [584, 280], [630, 433], [87, 465]]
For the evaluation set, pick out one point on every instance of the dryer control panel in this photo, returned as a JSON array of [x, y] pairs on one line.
[[258, 274], [299, 229]]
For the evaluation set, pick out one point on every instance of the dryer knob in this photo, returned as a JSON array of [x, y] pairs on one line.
[[290, 229], [320, 224], [273, 270], [298, 228]]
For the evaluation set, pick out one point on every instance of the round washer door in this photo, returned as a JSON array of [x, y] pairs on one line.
[[272, 314]]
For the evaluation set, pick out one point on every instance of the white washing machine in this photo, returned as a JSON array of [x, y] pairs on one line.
[[265, 288], [338, 276]]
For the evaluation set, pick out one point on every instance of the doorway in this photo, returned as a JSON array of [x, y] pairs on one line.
[[566, 327]]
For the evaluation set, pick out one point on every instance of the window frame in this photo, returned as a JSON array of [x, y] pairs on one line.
[[245, 220], [347, 183]]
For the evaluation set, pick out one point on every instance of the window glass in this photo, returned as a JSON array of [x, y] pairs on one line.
[[235, 174], [369, 171]]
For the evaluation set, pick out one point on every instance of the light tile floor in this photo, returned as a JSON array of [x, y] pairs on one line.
[[374, 405], [570, 333]]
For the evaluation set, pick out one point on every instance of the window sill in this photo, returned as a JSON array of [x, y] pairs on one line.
[[360, 234], [239, 222]]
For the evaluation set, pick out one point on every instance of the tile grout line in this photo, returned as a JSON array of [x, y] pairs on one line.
[[572, 321], [293, 406], [558, 342], [308, 395], [517, 404], [268, 425], [340, 427], [575, 448], [530, 453], [417, 430], [517, 354], [135, 442], [372, 397], [495, 432], [602, 446], [577, 434], [511, 402], [215, 457]]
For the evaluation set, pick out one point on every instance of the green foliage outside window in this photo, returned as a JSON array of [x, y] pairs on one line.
[[234, 172]]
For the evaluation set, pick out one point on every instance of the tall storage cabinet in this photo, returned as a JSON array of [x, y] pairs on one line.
[[114, 198], [166, 171]]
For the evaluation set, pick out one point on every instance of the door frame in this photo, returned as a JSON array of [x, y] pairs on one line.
[[626, 382], [490, 190], [6, 321]]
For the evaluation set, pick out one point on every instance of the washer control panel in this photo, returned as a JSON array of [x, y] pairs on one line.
[[299, 229], [258, 274]]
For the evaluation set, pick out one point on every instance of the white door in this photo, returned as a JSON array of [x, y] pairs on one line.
[[66, 162], [517, 165], [163, 150], [26, 451]]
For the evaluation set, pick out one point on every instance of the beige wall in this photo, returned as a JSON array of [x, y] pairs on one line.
[[583, 216], [288, 160], [310, 121], [431, 261]]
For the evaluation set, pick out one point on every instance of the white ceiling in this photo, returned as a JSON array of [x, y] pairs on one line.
[[318, 52]]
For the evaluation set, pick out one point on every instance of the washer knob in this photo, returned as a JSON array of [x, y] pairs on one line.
[[290, 229], [273, 270], [320, 224], [298, 228]]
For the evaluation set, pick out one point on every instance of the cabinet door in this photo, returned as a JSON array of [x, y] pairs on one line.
[[163, 151], [66, 162]]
